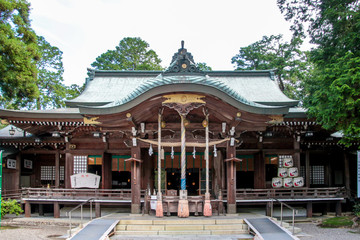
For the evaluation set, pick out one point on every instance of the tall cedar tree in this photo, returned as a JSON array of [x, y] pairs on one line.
[[18, 55], [333, 91]]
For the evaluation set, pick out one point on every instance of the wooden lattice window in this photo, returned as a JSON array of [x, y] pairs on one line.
[[317, 175], [47, 173], [80, 164]]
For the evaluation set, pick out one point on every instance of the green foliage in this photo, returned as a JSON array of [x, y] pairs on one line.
[[74, 90], [333, 92], [356, 209], [337, 222], [130, 54], [50, 78], [10, 207], [203, 66], [18, 54], [286, 58]]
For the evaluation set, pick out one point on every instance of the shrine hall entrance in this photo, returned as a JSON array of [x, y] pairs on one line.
[[173, 176], [195, 173]]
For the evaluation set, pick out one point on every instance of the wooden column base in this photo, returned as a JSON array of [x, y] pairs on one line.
[[27, 209], [231, 208], [309, 209], [338, 209], [135, 208], [56, 210], [268, 209], [97, 210]]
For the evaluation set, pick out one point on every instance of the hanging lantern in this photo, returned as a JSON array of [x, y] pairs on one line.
[[205, 123], [163, 124], [151, 151]]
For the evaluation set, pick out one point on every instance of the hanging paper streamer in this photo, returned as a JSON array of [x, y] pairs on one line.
[[151, 150], [215, 151], [162, 154], [194, 153], [172, 152]]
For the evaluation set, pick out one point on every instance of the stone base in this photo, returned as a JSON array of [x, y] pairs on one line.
[[159, 209], [135, 208], [183, 208], [231, 208]]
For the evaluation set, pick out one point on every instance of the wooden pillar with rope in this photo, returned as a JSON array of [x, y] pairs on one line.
[[159, 205], [207, 205], [135, 179], [183, 207]]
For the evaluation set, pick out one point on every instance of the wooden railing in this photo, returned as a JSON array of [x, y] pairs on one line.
[[291, 193], [63, 193], [11, 194]]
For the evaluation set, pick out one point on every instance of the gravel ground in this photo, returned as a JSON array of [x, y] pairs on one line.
[[312, 231], [33, 233]]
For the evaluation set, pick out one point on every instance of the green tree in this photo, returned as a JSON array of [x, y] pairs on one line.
[[52, 90], [203, 66], [285, 58], [74, 90], [18, 54], [130, 54], [333, 91]]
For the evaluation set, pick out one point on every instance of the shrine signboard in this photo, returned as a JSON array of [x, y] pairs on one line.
[[85, 180]]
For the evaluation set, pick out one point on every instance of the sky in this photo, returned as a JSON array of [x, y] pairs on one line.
[[213, 31]]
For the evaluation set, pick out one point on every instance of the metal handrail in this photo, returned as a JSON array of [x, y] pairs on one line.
[[90, 200], [294, 211]]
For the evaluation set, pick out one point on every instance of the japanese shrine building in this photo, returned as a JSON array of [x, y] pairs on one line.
[[115, 127]]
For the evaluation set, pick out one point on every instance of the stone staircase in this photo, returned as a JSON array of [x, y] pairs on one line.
[[177, 227]]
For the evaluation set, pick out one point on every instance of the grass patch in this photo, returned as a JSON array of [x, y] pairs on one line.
[[7, 227], [337, 222]]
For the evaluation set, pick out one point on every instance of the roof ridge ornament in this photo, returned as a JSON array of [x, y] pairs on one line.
[[183, 62]]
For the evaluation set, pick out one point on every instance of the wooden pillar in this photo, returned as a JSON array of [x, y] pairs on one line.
[[56, 210], [259, 171], [106, 171], [268, 209], [309, 209], [146, 170], [347, 172], [97, 209], [27, 209], [338, 209], [307, 168], [18, 172], [135, 181], [69, 166], [296, 155], [231, 180], [57, 169], [41, 209]]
